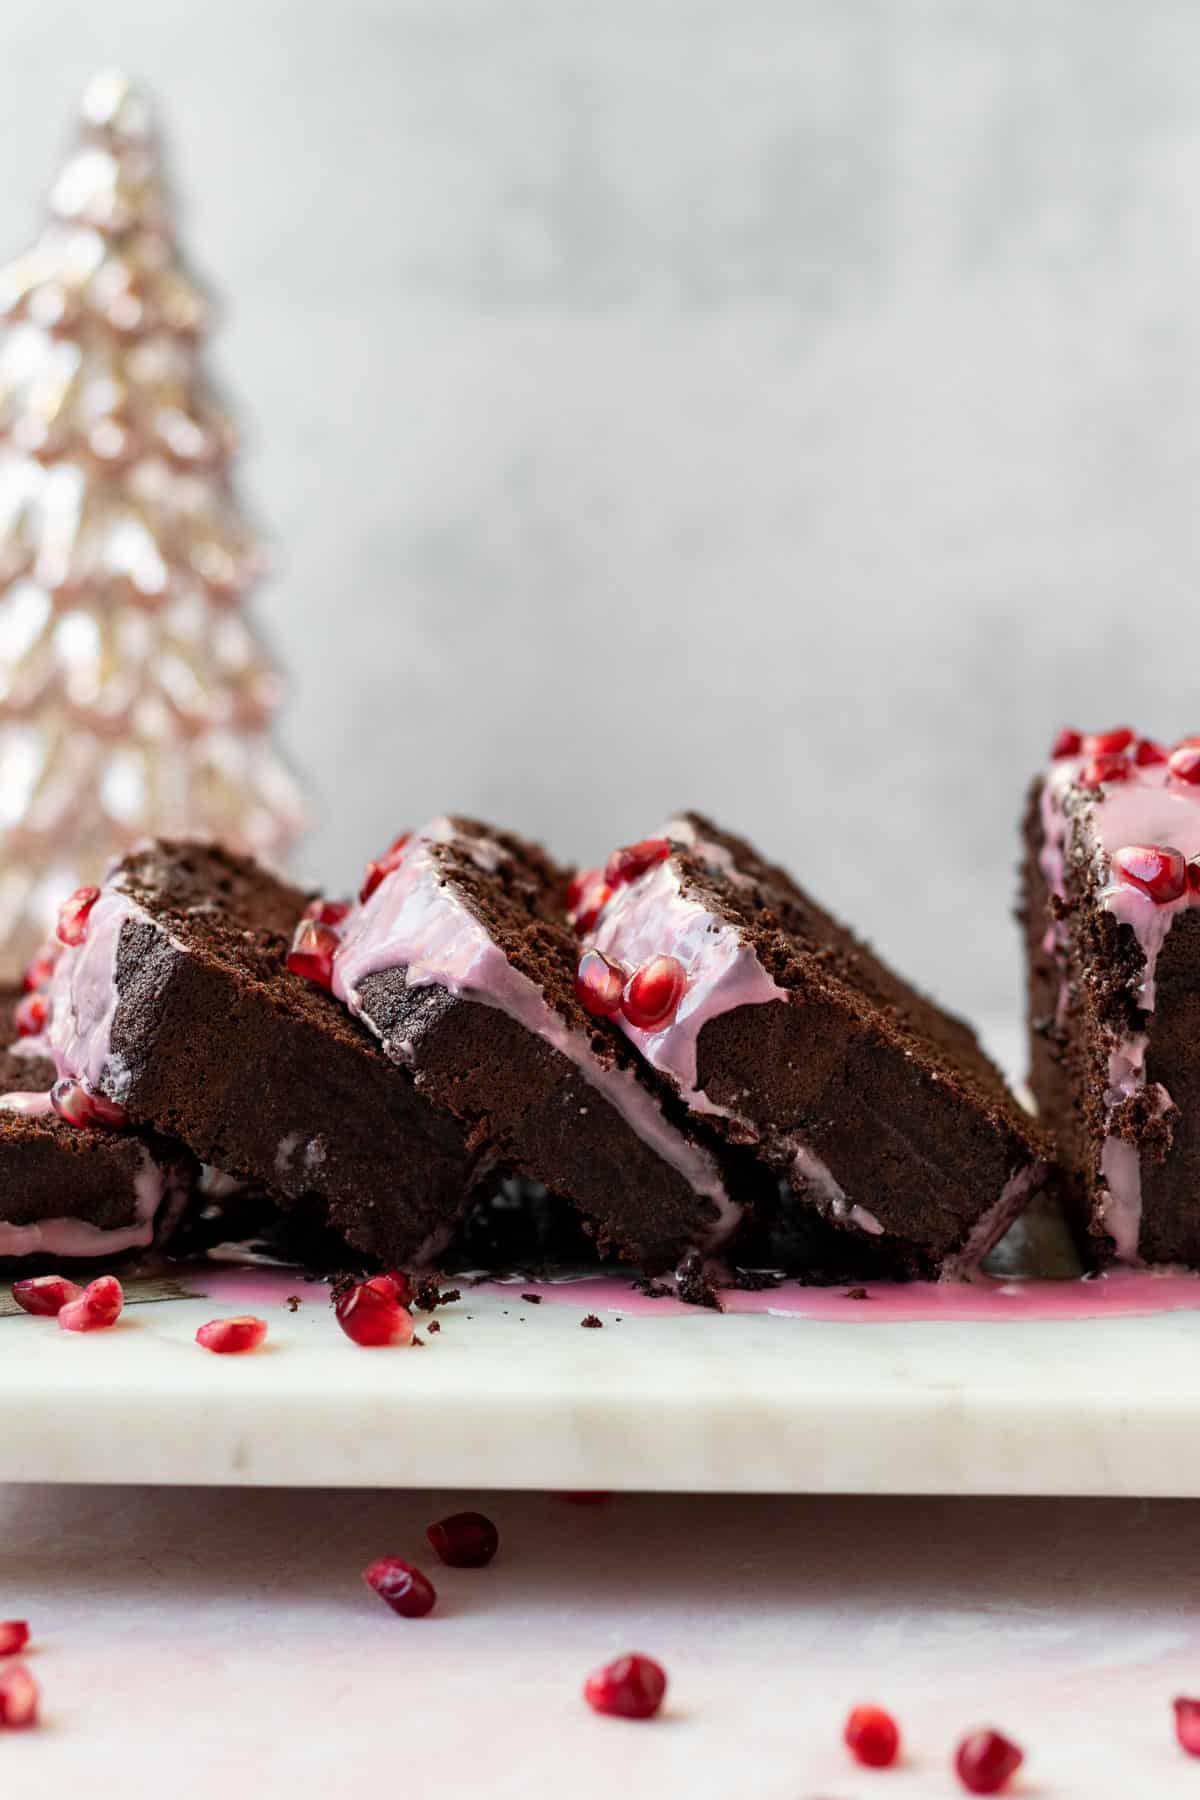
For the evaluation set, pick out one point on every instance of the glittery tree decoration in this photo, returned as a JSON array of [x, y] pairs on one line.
[[133, 696]]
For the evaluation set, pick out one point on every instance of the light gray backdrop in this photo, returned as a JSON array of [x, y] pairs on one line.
[[786, 407]]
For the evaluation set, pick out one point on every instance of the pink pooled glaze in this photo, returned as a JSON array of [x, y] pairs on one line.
[[417, 920], [651, 916], [1147, 808]]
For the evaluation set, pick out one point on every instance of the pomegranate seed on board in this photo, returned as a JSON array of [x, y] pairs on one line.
[[405, 1589], [985, 1761], [1104, 768], [632, 1687], [18, 1699], [599, 984], [466, 1540], [1187, 1724], [98, 1307], [1098, 743], [230, 1337], [1067, 743], [1157, 870], [634, 859], [31, 1015], [39, 971], [14, 1635], [44, 1295], [370, 1314], [312, 951], [1148, 753], [1184, 764], [73, 915], [651, 998], [327, 912], [872, 1737]]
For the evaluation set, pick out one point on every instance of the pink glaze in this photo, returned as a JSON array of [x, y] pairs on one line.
[[1148, 808], [76, 1238], [417, 920], [83, 997]]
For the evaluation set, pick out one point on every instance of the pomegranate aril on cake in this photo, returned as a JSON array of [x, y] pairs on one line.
[[599, 985], [1111, 894], [312, 952], [777, 1030], [74, 913], [31, 1015]]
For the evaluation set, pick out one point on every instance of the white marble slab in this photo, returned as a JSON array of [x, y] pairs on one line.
[[507, 1394]]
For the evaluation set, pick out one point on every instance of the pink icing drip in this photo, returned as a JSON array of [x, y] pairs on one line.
[[83, 998], [30, 1106], [417, 921], [652, 917], [77, 1238]]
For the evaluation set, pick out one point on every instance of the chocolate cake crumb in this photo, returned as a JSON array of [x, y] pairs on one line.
[[696, 1285], [292, 1303], [857, 1294], [653, 1290], [591, 1323], [418, 1343], [428, 1295], [533, 1299], [756, 1281], [434, 1325]]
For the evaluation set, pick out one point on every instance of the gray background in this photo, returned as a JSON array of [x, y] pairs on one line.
[[788, 408]]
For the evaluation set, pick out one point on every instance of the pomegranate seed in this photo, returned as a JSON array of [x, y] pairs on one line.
[[1193, 875], [652, 996], [398, 1281], [405, 1589], [391, 859], [1101, 743], [1104, 768], [31, 1015], [98, 1307], [1067, 743], [466, 1540], [599, 984], [1159, 872], [311, 954], [14, 1635], [83, 1107], [632, 1687], [578, 886], [595, 899], [327, 912], [44, 1295], [985, 1760], [872, 1737], [1148, 753], [230, 1337], [18, 1699], [627, 864], [1184, 764], [73, 915], [1187, 1724], [371, 1315], [39, 971]]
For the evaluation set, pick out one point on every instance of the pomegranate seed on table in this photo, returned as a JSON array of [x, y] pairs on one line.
[[1104, 768], [1067, 743], [599, 984], [1099, 743], [1157, 870], [31, 1015], [872, 1737], [1147, 753], [632, 1687], [18, 1698], [404, 1588], [985, 1761], [98, 1307], [1187, 1724], [651, 998], [312, 952], [230, 1337], [370, 1314], [633, 860], [73, 915], [465, 1540], [44, 1295], [1184, 764], [14, 1635], [327, 912]]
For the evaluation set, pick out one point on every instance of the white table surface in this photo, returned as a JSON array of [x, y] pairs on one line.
[[204, 1643]]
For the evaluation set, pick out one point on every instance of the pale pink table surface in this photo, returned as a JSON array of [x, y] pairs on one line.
[[197, 1644]]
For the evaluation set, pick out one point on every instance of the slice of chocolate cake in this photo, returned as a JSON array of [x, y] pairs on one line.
[[460, 960], [172, 1000], [776, 1026], [1111, 911], [68, 1192]]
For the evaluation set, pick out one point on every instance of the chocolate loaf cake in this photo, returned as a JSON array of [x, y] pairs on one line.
[[1111, 913], [459, 959], [173, 1002], [71, 1193], [777, 1027]]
